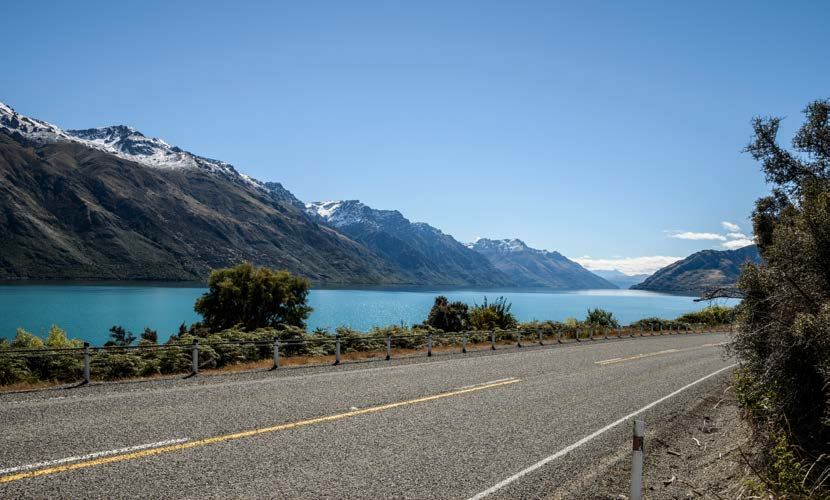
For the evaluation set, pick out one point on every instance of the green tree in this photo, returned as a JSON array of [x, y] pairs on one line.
[[783, 340], [150, 336], [492, 315], [253, 297], [448, 316], [120, 337], [26, 340], [601, 317]]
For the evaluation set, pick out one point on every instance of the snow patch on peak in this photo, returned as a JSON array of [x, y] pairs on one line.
[[122, 141], [131, 144], [504, 245], [339, 213], [325, 209], [33, 129]]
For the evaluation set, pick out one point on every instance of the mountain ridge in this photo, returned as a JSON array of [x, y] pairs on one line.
[[701, 271], [81, 207], [420, 250], [530, 267]]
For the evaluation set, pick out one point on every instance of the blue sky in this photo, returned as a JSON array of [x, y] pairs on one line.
[[601, 129]]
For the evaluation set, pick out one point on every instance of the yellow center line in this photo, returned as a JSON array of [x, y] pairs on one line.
[[240, 435], [650, 354]]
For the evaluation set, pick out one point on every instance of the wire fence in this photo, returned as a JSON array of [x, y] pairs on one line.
[[112, 362]]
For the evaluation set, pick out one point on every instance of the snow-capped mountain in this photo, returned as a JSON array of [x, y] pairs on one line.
[[111, 203], [528, 266], [31, 128], [342, 213], [130, 144], [424, 252]]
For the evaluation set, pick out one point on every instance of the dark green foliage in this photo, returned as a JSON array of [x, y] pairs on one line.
[[712, 316], [120, 337], [14, 370], [601, 317], [448, 316], [253, 297], [150, 336], [783, 341], [493, 315]]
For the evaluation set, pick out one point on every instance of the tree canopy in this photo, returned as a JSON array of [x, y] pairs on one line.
[[253, 297], [783, 341]]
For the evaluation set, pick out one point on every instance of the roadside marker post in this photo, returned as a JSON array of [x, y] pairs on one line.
[[337, 349], [577, 335], [619, 331], [519, 339], [464, 344], [86, 362], [493, 340], [429, 345], [540, 337], [637, 460], [559, 336], [388, 347], [605, 332], [276, 353], [195, 368], [591, 335]]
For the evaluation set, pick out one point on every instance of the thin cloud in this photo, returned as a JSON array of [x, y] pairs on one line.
[[737, 236], [730, 226], [688, 235], [735, 244], [630, 265]]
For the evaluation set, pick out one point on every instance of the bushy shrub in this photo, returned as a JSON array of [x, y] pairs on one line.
[[493, 315], [713, 315], [601, 317], [448, 316]]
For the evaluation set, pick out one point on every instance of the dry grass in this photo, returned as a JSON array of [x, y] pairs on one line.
[[29, 386]]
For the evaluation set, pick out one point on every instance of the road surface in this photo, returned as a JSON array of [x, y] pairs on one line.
[[520, 423]]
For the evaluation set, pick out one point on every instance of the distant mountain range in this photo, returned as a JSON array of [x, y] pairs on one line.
[[421, 252], [620, 279], [701, 271], [111, 203], [529, 267]]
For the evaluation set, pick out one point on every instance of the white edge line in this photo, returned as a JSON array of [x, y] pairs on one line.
[[92, 455], [565, 451]]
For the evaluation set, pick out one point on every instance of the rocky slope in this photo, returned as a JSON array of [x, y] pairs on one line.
[[110, 203], [421, 252], [529, 267], [701, 271]]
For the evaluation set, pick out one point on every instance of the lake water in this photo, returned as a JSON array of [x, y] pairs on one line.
[[87, 311]]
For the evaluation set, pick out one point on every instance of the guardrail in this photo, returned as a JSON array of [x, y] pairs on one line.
[[263, 349]]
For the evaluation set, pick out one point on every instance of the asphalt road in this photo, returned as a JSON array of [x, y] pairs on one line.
[[447, 427]]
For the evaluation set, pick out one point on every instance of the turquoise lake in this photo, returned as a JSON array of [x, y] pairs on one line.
[[87, 311]]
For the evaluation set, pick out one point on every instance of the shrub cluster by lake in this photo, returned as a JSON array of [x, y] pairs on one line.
[[263, 305]]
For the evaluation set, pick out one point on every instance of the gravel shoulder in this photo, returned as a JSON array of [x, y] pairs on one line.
[[702, 451]]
